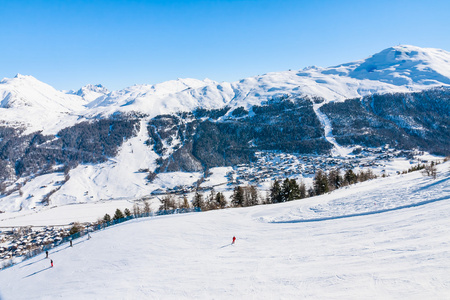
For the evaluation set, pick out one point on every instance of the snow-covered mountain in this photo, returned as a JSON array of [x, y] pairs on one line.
[[396, 69], [91, 92], [30, 103], [96, 144]]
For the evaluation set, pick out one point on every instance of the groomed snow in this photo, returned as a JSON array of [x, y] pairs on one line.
[[398, 251]]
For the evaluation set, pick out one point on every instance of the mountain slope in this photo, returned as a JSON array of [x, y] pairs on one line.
[[29, 103], [399, 252], [114, 144], [406, 65], [396, 69]]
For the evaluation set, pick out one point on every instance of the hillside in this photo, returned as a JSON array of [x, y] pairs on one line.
[[387, 112], [397, 69], [382, 239]]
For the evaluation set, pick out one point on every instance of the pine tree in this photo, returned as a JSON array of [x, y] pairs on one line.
[[285, 190], [335, 179], [127, 212], [220, 200], [107, 218], [302, 190], [197, 201], [211, 200], [295, 190], [320, 183], [118, 215], [275, 192], [252, 196], [237, 199], [350, 177]]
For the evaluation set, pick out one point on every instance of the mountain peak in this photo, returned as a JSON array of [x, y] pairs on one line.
[[90, 92], [405, 65]]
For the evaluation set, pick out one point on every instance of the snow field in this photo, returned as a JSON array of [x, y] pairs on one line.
[[398, 254]]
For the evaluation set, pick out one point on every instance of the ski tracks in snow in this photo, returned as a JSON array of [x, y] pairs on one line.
[[326, 123]]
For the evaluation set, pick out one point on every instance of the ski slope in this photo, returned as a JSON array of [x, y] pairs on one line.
[[382, 239]]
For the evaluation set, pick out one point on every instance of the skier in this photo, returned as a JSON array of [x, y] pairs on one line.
[[51, 263], [70, 243], [46, 254], [234, 240]]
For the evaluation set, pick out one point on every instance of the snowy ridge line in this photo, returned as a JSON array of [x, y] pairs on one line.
[[363, 214]]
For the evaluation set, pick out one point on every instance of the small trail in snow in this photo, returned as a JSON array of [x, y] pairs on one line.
[[326, 123]]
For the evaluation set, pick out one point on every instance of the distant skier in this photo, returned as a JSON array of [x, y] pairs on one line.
[[70, 243], [46, 254], [234, 240], [51, 263]]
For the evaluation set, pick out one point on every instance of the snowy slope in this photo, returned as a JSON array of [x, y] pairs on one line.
[[164, 98], [400, 253], [396, 69], [26, 101], [91, 92]]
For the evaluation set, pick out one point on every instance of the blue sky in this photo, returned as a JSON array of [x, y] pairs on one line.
[[68, 44]]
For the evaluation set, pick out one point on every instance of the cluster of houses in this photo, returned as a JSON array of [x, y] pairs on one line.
[[274, 165], [270, 166], [16, 242]]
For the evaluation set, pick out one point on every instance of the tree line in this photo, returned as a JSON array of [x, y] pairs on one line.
[[280, 191]]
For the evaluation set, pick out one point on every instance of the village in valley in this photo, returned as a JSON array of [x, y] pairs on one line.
[[268, 166]]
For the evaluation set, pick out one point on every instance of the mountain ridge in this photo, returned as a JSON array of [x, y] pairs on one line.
[[395, 69], [130, 143]]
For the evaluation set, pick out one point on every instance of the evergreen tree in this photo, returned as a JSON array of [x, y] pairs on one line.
[[118, 215], [211, 200], [302, 191], [198, 201], [295, 190], [252, 196], [275, 192], [320, 183], [220, 200], [335, 179], [237, 199], [107, 218], [127, 212], [285, 190], [365, 175], [75, 228], [350, 177], [311, 192]]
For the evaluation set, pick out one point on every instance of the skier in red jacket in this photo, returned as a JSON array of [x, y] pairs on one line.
[[234, 240], [51, 262]]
